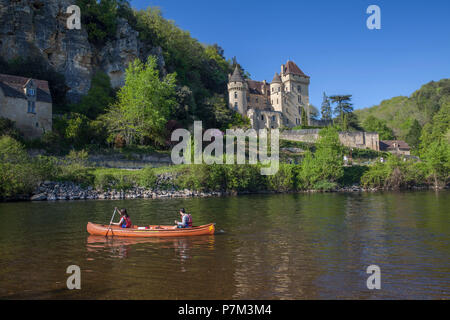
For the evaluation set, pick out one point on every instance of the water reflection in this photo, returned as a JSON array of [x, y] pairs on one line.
[[120, 247], [294, 246]]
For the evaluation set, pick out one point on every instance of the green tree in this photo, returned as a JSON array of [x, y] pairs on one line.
[[100, 18], [325, 167], [99, 97], [435, 145], [372, 124], [413, 135], [325, 109], [144, 104], [343, 108]]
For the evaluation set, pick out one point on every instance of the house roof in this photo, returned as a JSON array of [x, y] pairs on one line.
[[291, 68], [255, 87], [13, 86], [393, 144]]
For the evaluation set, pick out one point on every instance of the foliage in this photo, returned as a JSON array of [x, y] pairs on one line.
[[326, 163], [19, 174], [201, 68], [99, 97], [144, 104], [372, 124], [435, 145], [400, 112], [100, 17], [325, 109], [413, 135], [8, 127], [343, 107], [352, 175]]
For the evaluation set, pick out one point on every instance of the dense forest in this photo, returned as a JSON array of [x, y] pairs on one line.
[[405, 117]]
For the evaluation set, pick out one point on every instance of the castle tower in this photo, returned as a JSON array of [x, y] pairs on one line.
[[237, 92], [297, 93], [276, 93]]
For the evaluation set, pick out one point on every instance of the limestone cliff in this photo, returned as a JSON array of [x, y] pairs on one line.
[[38, 28]]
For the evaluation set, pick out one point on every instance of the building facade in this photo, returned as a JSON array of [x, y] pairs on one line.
[[28, 103], [283, 102], [398, 147]]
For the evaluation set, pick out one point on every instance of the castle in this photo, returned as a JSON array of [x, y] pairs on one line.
[[283, 102]]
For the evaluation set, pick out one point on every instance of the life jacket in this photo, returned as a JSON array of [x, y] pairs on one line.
[[126, 222], [189, 221]]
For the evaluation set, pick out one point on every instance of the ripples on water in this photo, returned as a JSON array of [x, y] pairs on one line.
[[296, 246]]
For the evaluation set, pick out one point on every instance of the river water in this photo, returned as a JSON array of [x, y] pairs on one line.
[[293, 246]]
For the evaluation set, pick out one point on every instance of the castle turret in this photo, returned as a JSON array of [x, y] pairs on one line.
[[237, 92], [276, 93]]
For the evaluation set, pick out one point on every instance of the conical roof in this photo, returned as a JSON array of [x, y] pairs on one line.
[[276, 78], [236, 77]]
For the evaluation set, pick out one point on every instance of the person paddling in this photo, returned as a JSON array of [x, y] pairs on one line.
[[186, 220], [125, 221]]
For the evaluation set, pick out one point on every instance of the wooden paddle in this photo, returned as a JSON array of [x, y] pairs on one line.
[[112, 218]]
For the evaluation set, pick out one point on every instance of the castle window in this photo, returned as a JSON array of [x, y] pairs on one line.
[[37, 125], [248, 99], [256, 99], [31, 92], [235, 95], [299, 89], [262, 117], [299, 99], [31, 107], [236, 106], [273, 118]]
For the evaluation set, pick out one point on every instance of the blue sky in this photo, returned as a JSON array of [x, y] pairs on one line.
[[328, 40]]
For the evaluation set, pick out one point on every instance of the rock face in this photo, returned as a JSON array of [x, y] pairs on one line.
[[32, 28]]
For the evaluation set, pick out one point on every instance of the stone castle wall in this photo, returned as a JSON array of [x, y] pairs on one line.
[[356, 139]]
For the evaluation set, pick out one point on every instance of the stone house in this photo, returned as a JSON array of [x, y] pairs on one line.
[[28, 103], [398, 147]]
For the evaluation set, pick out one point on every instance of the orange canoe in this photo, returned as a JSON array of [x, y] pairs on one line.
[[150, 231]]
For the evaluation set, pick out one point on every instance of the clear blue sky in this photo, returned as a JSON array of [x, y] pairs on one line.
[[328, 39]]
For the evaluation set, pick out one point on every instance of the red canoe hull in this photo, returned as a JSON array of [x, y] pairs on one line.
[[150, 231]]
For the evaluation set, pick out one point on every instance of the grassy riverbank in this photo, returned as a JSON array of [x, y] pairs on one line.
[[21, 175]]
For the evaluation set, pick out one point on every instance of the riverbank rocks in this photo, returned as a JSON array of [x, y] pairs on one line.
[[39, 197], [164, 188]]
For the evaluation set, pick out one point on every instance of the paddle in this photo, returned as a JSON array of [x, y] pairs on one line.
[[112, 218]]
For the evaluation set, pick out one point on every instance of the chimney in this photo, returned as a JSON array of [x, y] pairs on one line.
[[282, 69]]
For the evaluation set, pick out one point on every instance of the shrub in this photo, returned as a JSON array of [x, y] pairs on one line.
[[283, 180], [147, 177], [352, 175]]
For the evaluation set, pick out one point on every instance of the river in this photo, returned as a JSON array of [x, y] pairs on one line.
[[291, 246]]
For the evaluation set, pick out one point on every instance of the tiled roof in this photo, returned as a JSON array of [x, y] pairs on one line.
[[291, 68], [255, 87], [13, 86], [389, 145]]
